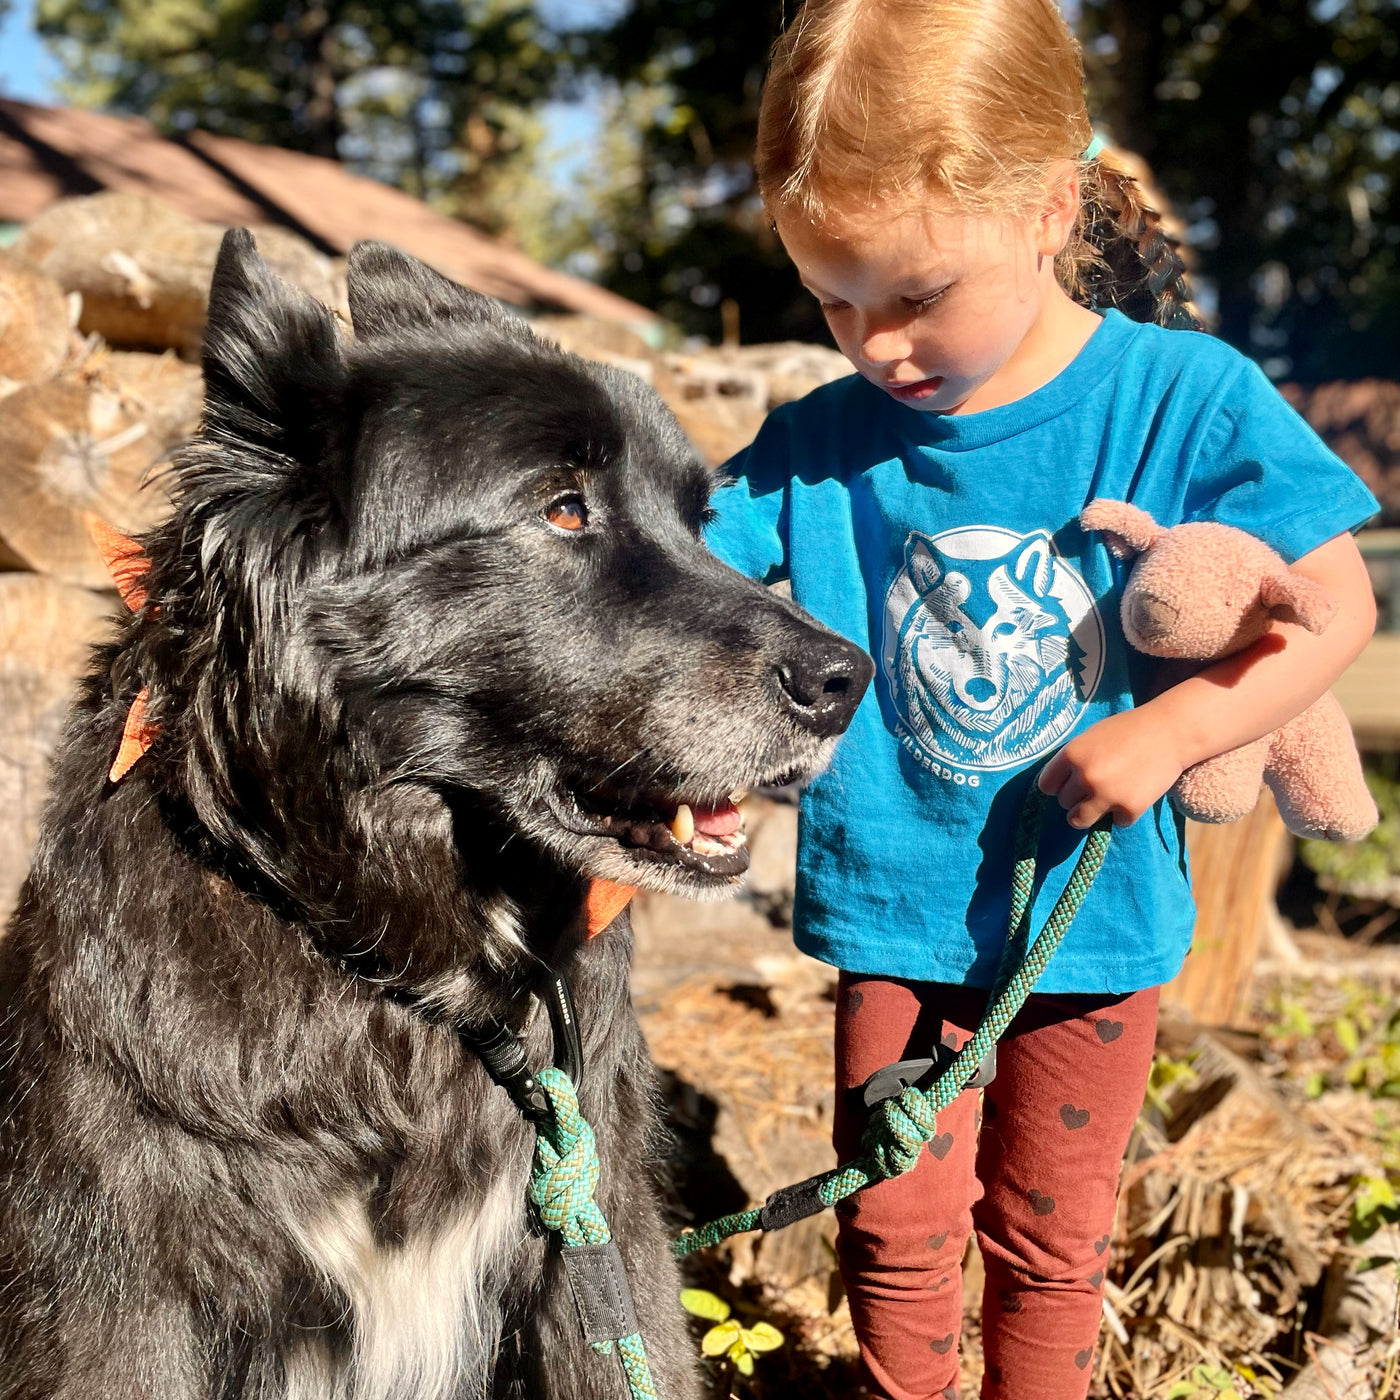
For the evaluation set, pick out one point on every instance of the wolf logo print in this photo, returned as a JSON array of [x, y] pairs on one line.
[[992, 648]]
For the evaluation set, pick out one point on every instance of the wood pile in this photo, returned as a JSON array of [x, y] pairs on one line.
[[83, 428]]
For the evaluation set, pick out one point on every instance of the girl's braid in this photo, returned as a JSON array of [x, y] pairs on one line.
[[1123, 256]]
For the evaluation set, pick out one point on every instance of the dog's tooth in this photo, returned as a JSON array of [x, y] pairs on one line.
[[683, 825], [707, 846]]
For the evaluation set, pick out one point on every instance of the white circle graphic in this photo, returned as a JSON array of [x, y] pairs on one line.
[[991, 646]]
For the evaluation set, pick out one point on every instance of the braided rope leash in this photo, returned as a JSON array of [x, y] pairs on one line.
[[562, 1183], [900, 1127]]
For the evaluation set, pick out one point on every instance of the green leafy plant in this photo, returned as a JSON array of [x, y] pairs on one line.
[[741, 1346], [1369, 868], [1223, 1383], [1375, 1203], [1167, 1073]]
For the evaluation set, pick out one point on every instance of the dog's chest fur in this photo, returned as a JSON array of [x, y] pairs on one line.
[[424, 1313]]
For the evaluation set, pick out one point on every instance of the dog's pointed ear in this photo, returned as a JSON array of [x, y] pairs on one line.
[[390, 291], [273, 368], [924, 568], [1128, 530]]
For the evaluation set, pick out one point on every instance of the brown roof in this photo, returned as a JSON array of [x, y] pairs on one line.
[[48, 153]]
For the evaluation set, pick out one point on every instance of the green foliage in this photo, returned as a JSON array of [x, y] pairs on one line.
[[1369, 867], [1166, 1073], [688, 231], [428, 95], [1223, 1383], [1360, 1049], [1374, 1204], [741, 1346], [1275, 125]]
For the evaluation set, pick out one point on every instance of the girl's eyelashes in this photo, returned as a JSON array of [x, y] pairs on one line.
[[919, 304], [916, 304], [568, 512]]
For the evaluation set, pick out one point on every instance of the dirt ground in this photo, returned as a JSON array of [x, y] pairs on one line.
[[1234, 1258]]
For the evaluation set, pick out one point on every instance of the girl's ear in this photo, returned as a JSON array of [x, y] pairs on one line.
[[1060, 212], [1127, 530], [1293, 597]]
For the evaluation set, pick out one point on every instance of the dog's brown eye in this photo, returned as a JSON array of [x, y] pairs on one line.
[[567, 513]]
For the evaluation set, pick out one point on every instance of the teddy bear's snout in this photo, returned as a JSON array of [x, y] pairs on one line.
[[1152, 617]]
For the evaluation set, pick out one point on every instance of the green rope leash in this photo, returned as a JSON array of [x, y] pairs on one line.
[[900, 1127], [566, 1166], [562, 1182]]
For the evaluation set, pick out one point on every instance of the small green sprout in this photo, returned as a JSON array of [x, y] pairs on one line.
[[1222, 1383], [728, 1337]]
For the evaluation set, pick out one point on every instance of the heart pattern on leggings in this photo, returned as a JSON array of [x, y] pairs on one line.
[[941, 1144], [1082, 1358], [936, 1242], [1073, 1117], [942, 1345], [1010, 1303], [1041, 1205], [1101, 1245], [1109, 1031]]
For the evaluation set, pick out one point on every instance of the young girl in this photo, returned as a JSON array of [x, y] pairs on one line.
[[928, 166]]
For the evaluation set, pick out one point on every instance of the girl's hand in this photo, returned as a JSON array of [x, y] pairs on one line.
[[1122, 764]]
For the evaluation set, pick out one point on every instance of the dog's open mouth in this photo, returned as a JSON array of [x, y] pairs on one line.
[[703, 836]]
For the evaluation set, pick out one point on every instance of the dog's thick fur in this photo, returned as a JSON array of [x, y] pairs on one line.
[[245, 1152]]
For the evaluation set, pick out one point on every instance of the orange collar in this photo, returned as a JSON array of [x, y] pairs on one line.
[[129, 568]]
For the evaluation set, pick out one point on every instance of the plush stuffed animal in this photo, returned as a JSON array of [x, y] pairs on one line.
[[1205, 591]]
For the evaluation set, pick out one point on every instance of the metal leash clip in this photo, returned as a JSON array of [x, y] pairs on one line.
[[893, 1080]]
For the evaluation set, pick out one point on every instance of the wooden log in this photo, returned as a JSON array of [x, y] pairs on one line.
[[45, 631], [69, 446], [143, 269], [34, 330], [1235, 870], [167, 393]]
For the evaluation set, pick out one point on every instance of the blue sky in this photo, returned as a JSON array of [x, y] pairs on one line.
[[27, 70]]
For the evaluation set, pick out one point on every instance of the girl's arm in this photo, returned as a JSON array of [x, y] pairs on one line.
[[1124, 763]]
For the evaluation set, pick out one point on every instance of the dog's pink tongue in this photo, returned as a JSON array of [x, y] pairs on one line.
[[720, 820]]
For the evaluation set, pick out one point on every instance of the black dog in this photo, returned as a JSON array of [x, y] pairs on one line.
[[430, 640]]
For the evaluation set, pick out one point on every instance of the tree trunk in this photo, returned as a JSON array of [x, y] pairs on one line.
[[322, 115], [1235, 870]]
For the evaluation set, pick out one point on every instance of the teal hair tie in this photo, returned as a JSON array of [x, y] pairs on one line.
[[1094, 148]]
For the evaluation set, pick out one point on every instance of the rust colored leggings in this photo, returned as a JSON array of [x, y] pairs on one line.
[[1040, 1187]]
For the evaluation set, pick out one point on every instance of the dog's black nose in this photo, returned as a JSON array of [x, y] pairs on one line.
[[821, 683]]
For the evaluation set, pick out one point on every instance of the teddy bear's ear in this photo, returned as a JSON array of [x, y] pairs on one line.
[[1128, 529], [1292, 597]]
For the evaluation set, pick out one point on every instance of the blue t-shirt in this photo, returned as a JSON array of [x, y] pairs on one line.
[[948, 547]]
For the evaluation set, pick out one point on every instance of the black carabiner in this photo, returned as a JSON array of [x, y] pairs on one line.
[[563, 1021]]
